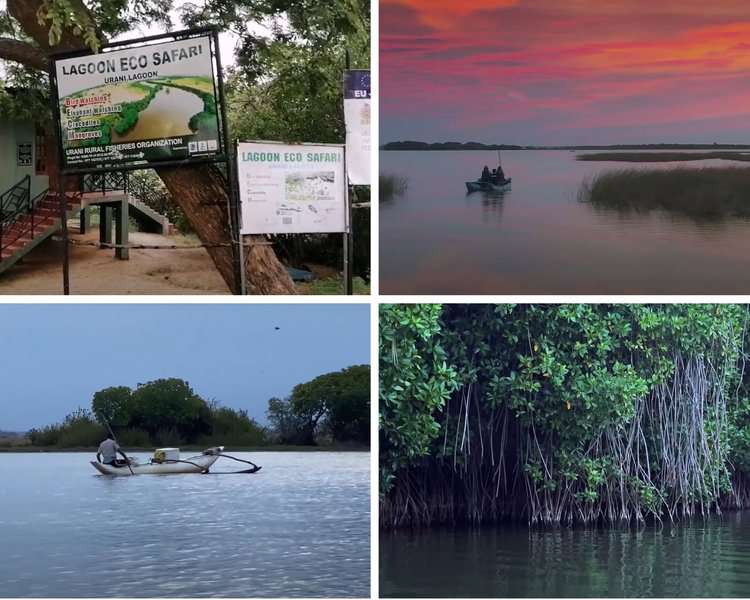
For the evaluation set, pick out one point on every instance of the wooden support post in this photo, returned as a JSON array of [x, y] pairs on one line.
[[122, 229], [64, 225], [105, 224], [85, 219]]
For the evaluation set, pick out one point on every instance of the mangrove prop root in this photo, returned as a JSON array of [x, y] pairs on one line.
[[667, 463]]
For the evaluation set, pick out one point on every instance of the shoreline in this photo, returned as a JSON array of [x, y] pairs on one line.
[[663, 156], [191, 448], [477, 147]]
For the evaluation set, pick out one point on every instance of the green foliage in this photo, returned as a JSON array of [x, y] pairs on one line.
[[169, 408], [78, 429], [113, 405], [27, 99], [415, 382], [334, 404], [147, 186], [234, 428], [62, 15], [288, 82], [609, 411], [287, 426], [739, 434], [164, 412], [343, 398]]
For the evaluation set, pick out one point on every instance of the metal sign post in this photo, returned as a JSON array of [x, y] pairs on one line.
[[347, 274], [64, 224], [348, 240]]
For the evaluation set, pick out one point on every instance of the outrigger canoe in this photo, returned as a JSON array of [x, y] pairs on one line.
[[487, 186], [166, 461]]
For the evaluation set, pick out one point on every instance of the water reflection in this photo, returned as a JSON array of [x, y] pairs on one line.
[[300, 527], [699, 559], [539, 239], [491, 203]]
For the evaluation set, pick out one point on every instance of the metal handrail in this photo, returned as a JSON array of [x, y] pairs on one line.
[[13, 203], [113, 181], [31, 226]]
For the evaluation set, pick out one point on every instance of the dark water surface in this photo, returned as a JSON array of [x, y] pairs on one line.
[[300, 527], [538, 238], [700, 559]]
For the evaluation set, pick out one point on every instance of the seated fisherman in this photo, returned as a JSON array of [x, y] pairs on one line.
[[107, 453], [499, 175], [485, 174]]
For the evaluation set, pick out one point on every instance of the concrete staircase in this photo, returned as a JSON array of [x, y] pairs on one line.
[[32, 227], [143, 210]]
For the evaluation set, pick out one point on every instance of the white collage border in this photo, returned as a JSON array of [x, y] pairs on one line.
[[374, 300]]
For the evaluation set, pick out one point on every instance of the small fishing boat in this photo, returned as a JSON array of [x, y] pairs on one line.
[[487, 186], [167, 461], [490, 183]]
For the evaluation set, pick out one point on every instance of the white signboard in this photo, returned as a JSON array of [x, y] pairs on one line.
[[147, 104], [292, 188], [357, 119]]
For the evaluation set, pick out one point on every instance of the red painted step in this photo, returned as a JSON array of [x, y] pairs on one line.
[[46, 216]]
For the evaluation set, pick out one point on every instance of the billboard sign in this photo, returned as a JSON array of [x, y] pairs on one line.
[[357, 119], [148, 104], [292, 188]]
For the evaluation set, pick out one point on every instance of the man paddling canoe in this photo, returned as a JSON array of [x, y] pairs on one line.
[[107, 453]]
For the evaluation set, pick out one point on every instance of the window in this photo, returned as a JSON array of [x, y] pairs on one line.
[[40, 163]]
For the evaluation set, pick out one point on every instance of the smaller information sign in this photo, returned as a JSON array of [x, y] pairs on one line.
[[292, 188], [23, 155], [357, 118]]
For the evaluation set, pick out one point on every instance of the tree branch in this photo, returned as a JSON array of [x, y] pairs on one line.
[[24, 53]]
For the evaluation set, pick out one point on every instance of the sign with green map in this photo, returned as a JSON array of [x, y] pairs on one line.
[[141, 105]]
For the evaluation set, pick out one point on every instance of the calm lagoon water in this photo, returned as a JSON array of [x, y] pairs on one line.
[[538, 238], [701, 559], [299, 527]]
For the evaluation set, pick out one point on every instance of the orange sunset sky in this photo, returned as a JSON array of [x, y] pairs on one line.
[[565, 71]]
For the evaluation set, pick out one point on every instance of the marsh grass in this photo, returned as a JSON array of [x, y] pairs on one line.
[[392, 186], [663, 156], [707, 194]]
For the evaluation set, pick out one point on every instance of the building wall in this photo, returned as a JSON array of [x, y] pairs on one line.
[[11, 135]]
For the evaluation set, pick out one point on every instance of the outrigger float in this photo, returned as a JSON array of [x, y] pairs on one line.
[[167, 461]]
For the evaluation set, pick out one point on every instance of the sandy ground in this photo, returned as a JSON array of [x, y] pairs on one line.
[[97, 271]]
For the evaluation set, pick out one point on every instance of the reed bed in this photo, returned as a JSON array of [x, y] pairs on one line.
[[710, 193], [392, 186], [664, 156]]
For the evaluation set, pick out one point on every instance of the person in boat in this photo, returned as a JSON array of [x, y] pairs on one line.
[[499, 175], [107, 453], [485, 174]]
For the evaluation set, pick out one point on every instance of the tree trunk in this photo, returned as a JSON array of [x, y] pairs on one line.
[[199, 190]]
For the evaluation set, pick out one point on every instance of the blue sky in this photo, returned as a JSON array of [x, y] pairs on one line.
[[54, 357]]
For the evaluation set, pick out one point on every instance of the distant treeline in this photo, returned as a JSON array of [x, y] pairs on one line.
[[332, 408], [412, 145]]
